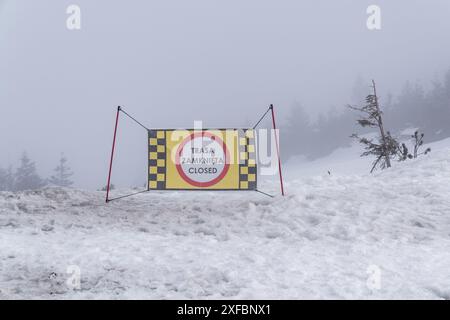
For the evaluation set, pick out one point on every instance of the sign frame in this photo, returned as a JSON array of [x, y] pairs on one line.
[[254, 171]]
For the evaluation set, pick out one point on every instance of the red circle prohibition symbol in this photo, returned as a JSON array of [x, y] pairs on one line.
[[207, 183]]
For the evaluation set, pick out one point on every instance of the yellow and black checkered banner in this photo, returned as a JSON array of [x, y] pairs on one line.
[[216, 159]]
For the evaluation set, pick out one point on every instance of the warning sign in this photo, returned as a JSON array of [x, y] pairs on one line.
[[222, 159]]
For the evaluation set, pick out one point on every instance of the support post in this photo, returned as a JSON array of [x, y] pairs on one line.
[[112, 154], [278, 149]]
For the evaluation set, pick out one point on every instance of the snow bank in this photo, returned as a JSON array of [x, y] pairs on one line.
[[321, 241]]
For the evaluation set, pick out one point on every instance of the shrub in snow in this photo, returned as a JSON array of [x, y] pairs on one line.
[[403, 152]]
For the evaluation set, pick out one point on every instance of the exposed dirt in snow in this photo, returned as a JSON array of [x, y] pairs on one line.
[[321, 241]]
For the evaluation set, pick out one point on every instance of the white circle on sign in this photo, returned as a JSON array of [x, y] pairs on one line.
[[202, 159]]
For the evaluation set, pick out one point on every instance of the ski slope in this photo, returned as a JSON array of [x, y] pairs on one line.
[[348, 235]]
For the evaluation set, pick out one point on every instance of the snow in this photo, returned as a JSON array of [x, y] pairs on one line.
[[348, 160], [322, 240]]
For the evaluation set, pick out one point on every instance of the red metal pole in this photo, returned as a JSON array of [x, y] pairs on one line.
[[112, 155], [278, 150]]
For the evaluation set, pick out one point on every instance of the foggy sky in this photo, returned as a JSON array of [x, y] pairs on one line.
[[172, 62]]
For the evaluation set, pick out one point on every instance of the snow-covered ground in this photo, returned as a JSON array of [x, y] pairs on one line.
[[344, 235]]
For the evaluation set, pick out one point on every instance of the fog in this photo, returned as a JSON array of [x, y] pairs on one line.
[[169, 63]]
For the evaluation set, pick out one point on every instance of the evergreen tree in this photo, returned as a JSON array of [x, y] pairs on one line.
[[2, 179], [9, 182], [329, 132], [383, 149], [296, 132], [410, 109], [6, 179], [438, 109], [386, 146], [26, 177], [62, 175]]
